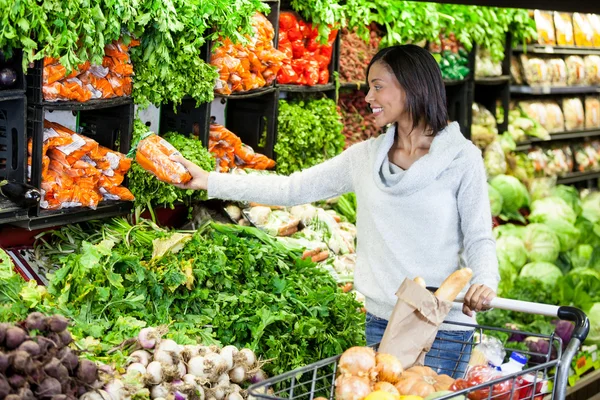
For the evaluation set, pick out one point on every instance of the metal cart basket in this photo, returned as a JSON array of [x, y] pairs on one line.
[[545, 376]]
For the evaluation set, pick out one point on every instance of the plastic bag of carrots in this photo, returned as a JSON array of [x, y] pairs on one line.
[[230, 152], [154, 155]]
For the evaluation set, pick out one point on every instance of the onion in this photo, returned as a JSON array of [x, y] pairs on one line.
[[159, 391], [386, 387], [349, 387], [238, 374], [154, 373], [140, 356], [358, 361], [136, 368], [229, 353], [389, 368], [115, 389], [147, 337]]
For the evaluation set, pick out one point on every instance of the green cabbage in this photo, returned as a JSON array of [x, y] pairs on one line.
[[568, 234], [548, 208], [513, 249], [509, 230], [594, 315], [514, 196], [570, 195], [591, 207], [508, 275], [541, 243], [580, 256], [545, 272], [495, 200]]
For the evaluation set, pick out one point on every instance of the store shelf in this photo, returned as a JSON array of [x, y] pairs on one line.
[[558, 136], [454, 83], [542, 90], [306, 89], [10, 212], [354, 85], [567, 50], [51, 218], [587, 380], [249, 94], [574, 177], [97, 104], [492, 80]]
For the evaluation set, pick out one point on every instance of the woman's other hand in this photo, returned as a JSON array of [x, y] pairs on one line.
[[199, 179], [478, 298]]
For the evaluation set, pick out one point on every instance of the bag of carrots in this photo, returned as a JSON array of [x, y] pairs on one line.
[[154, 155]]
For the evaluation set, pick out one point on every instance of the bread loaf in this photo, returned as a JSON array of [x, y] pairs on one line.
[[453, 284]]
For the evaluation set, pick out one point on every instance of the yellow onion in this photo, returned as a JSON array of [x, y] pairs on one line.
[[348, 387], [358, 361], [386, 387], [389, 368]]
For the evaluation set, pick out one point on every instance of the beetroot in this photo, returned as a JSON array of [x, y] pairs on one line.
[[14, 337], [4, 362], [17, 381], [65, 337], [36, 321], [20, 360], [68, 358], [3, 328], [57, 323], [26, 394], [4, 387], [48, 388], [56, 370], [31, 347], [45, 344], [87, 371]]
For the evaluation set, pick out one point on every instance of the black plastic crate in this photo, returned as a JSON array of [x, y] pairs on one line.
[[16, 63], [459, 100], [254, 119], [186, 119], [111, 127], [13, 150]]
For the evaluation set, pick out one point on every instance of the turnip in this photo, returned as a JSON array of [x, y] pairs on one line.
[[140, 356], [57, 370], [169, 346], [57, 323], [258, 376], [165, 357], [223, 379], [95, 395], [20, 360], [229, 353], [115, 389], [181, 370], [159, 391], [60, 397], [4, 362], [247, 358], [234, 396], [48, 388], [209, 367], [189, 351], [36, 321], [14, 337], [136, 368], [4, 387], [13, 397], [238, 374], [148, 337], [30, 347], [87, 371], [154, 373]]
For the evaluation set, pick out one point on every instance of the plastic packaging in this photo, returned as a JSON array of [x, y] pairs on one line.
[[558, 71], [515, 364], [564, 28], [575, 70], [592, 112], [587, 157], [545, 27], [535, 71], [489, 352], [592, 69], [515, 70], [231, 153], [153, 154], [582, 29], [556, 119], [594, 20], [559, 161], [482, 374], [574, 114]]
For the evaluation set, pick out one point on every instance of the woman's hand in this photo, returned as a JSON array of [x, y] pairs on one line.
[[199, 179], [478, 298]]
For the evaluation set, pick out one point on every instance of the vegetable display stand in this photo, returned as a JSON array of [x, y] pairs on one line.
[[110, 126], [567, 50], [13, 151], [186, 119], [11, 74], [458, 98], [534, 382], [588, 178], [549, 90], [254, 120]]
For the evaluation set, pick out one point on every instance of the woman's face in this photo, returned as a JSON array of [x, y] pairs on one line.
[[386, 96]]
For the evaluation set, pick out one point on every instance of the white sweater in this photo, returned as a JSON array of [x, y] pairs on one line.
[[424, 221]]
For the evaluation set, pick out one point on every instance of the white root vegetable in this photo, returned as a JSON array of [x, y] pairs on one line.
[[189, 351], [95, 395], [218, 392], [238, 374], [234, 388], [189, 379], [166, 357], [148, 337], [181, 370], [159, 391], [154, 373], [170, 346], [223, 379], [246, 357], [136, 368], [228, 353], [209, 367], [235, 396], [115, 389], [140, 356]]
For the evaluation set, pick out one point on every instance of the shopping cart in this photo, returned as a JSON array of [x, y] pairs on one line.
[[544, 378]]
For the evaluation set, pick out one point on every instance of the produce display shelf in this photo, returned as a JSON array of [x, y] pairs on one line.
[[88, 105], [306, 89], [354, 85], [51, 218], [248, 94], [492, 80], [559, 136], [19, 88], [537, 90], [587, 380], [448, 82], [10, 212], [567, 50], [574, 177]]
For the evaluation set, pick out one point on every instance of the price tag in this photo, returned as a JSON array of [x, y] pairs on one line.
[[549, 49], [546, 89]]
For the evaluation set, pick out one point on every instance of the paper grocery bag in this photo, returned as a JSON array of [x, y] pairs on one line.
[[414, 323]]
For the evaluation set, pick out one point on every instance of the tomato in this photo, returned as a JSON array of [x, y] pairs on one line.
[[312, 44], [283, 37], [299, 66], [311, 72], [324, 77], [287, 20], [298, 48], [326, 51], [287, 75], [294, 34], [479, 375]]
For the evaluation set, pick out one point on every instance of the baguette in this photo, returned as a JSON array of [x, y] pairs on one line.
[[452, 286], [420, 281]]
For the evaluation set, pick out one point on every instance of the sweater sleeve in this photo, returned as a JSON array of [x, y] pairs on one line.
[[328, 179], [476, 224]]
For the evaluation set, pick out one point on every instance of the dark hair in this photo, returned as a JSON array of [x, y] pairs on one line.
[[419, 75]]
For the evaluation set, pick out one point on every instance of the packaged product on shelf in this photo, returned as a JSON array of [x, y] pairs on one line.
[[556, 119], [154, 155], [87, 82], [484, 66], [563, 24], [594, 20], [574, 114], [582, 29], [575, 70], [247, 67], [592, 69], [545, 27], [515, 70], [231, 153], [494, 159], [355, 55], [559, 161], [587, 157], [483, 129], [77, 171], [537, 111], [535, 70], [558, 71], [538, 158], [592, 112], [308, 60]]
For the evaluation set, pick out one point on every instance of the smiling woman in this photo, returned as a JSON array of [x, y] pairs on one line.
[[422, 197]]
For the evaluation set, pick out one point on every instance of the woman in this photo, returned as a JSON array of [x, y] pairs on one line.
[[421, 190]]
